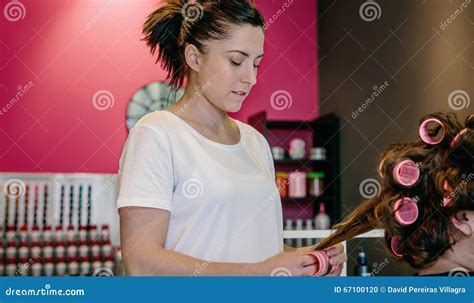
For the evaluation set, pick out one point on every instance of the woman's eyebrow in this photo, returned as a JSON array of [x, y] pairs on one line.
[[243, 53]]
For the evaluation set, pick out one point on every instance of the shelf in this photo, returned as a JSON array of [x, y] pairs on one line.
[[308, 199], [300, 162], [322, 233], [323, 131]]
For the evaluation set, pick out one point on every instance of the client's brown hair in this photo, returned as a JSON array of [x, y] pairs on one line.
[[433, 233]]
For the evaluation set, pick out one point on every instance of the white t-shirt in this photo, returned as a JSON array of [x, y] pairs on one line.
[[223, 199]]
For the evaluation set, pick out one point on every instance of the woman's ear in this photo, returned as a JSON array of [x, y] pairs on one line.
[[193, 57], [464, 222]]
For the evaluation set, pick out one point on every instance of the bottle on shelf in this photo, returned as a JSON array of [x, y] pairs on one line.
[[35, 233], [36, 249], [362, 269], [48, 266], [309, 226], [61, 266], [10, 268], [322, 220], [36, 267], [299, 226], [59, 236], [47, 235], [24, 235], [288, 226], [105, 232]]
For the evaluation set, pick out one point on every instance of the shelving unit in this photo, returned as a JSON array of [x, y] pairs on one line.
[[321, 132]]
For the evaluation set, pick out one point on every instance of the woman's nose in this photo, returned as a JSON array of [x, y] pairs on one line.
[[250, 76]]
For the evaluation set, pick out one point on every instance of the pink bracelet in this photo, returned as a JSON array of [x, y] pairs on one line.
[[322, 262]]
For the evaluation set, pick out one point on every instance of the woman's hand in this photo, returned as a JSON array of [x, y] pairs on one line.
[[336, 255], [337, 258], [288, 264]]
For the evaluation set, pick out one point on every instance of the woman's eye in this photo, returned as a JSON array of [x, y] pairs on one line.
[[256, 66], [235, 63]]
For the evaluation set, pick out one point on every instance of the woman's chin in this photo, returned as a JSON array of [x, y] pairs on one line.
[[233, 107]]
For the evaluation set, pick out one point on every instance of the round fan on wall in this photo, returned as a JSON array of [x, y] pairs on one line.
[[152, 97]]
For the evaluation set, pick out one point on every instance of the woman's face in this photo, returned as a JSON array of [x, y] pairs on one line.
[[469, 247], [230, 67]]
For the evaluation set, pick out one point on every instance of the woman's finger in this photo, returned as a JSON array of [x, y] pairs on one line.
[[335, 271], [335, 250], [338, 259]]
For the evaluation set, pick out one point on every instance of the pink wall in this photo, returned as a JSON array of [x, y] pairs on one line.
[[58, 54]]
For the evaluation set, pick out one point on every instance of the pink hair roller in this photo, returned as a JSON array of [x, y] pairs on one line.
[[456, 139], [406, 211], [424, 135], [406, 173], [394, 244], [322, 262]]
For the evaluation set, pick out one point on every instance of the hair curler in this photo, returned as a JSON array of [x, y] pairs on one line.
[[322, 262], [394, 245], [406, 173], [406, 211], [456, 138], [424, 133]]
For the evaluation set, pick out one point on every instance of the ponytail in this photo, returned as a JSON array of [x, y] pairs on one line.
[[179, 22]]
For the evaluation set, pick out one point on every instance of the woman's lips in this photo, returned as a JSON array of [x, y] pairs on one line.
[[239, 93]]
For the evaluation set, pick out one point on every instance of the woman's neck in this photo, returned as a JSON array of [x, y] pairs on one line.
[[456, 258], [196, 108]]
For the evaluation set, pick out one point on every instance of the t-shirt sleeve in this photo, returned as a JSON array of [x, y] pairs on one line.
[[268, 156], [146, 170]]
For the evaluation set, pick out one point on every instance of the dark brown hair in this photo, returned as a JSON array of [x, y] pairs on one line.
[[433, 233], [179, 22]]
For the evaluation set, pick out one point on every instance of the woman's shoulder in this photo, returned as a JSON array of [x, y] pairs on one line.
[[251, 132], [160, 121]]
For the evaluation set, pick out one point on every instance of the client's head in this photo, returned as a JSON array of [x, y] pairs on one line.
[[426, 204]]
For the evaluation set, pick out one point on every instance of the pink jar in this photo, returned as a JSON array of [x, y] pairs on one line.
[[297, 185]]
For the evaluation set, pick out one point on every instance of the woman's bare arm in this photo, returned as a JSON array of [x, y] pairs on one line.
[[142, 236]]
